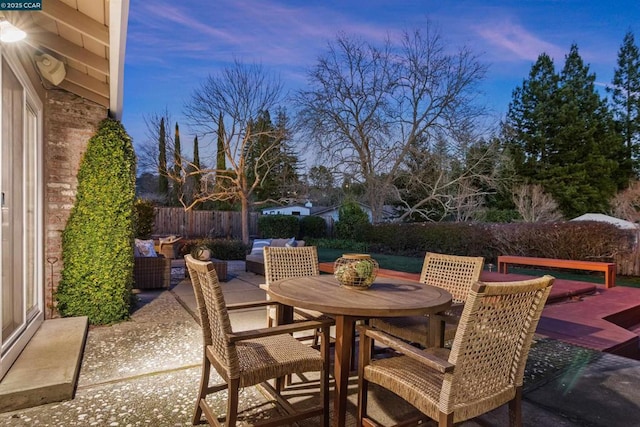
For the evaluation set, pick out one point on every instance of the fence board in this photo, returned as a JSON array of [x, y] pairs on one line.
[[190, 224]]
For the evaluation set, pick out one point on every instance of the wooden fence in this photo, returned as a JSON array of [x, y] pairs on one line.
[[189, 224], [628, 264]]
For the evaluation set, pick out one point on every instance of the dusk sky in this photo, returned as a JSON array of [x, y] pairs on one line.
[[172, 46]]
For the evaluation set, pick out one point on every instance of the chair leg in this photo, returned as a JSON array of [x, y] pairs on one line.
[[324, 385], [366, 344], [204, 384], [515, 409], [445, 420], [232, 402]]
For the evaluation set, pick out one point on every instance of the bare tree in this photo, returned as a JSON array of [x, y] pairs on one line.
[[534, 205], [240, 93], [626, 204], [437, 183], [369, 105]]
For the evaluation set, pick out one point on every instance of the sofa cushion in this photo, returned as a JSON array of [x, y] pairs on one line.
[[279, 243], [145, 248], [259, 244], [255, 258], [291, 243]]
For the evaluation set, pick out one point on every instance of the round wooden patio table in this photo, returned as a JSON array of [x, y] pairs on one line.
[[387, 297]]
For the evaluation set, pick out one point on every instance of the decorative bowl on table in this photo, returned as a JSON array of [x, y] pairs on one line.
[[355, 271]]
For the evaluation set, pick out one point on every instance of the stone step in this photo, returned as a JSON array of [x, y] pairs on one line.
[[47, 369]]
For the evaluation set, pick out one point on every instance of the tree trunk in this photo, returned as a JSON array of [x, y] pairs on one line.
[[245, 219]]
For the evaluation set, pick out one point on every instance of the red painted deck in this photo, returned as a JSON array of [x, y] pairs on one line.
[[579, 313]]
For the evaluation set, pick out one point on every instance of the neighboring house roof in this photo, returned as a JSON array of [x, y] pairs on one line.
[[621, 223], [89, 37], [388, 212]]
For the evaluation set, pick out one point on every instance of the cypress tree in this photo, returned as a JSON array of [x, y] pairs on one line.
[[177, 168], [163, 180], [196, 166], [221, 163]]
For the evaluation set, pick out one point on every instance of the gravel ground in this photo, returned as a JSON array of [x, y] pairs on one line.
[[146, 372]]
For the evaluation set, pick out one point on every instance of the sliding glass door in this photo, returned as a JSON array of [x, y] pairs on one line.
[[21, 296]]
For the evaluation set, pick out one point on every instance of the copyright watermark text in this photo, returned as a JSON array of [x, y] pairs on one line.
[[21, 5]]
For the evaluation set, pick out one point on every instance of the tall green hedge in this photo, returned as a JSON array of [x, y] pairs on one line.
[[144, 217], [278, 226], [97, 247]]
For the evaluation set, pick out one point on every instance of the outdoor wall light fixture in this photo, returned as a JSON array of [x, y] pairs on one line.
[[51, 68], [9, 33]]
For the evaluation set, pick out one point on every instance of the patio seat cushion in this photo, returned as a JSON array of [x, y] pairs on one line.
[[258, 245], [254, 261], [144, 248]]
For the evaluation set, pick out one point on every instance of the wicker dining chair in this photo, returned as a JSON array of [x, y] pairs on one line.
[[454, 273], [484, 368], [249, 358], [286, 263]]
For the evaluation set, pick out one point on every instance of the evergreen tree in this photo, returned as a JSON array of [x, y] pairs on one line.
[[532, 119], [221, 167], [625, 101], [97, 242], [263, 138], [287, 176], [278, 161], [196, 166], [177, 192], [583, 174], [562, 136], [220, 154], [163, 180]]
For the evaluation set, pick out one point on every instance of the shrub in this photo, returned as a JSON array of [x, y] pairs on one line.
[[353, 222], [312, 226], [343, 244], [278, 226], [579, 240], [97, 242], [144, 218], [220, 248]]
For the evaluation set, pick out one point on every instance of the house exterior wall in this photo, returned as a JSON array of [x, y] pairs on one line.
[[287, 210], [69, 122]]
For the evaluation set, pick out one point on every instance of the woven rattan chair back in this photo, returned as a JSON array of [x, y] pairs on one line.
[[252, 357], [483, 370], [285, 263], [454, 273], [214, 317], [492, 344]]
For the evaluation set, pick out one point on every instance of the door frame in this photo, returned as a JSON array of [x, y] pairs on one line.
[[15, 343]]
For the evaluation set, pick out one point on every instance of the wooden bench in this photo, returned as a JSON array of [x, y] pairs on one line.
[[609, 268]]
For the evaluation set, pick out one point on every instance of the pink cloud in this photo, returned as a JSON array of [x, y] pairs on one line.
[[515, 43]]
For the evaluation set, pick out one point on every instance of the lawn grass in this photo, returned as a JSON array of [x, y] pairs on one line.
[[391, 262], [414, 265]]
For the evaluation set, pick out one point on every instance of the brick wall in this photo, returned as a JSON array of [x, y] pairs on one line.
[[69, 122]]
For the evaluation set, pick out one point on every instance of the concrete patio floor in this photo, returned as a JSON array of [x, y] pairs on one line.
[[145, 372]]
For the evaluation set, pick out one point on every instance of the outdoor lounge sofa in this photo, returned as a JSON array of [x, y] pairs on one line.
[[150, 269], [254, 262]]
